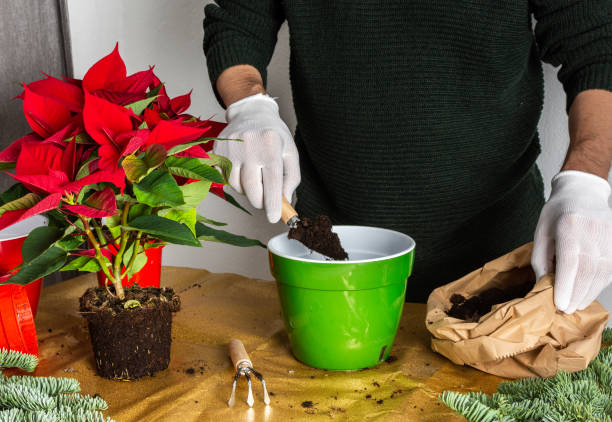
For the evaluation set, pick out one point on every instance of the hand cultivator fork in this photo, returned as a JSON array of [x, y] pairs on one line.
[[244, 366]]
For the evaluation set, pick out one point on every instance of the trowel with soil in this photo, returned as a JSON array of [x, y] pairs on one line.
[[315, 234]]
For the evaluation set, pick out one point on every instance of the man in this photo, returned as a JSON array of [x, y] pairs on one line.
[[421, 116]]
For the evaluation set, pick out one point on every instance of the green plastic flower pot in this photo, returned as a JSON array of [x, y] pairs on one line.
[[343, 315]]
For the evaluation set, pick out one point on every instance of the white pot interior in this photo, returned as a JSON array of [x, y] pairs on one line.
[[22, 228], [362, 243]]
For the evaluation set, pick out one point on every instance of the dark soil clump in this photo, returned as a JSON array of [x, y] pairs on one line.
[[316, 234], [391, 359], [134, 342], [473, 308]]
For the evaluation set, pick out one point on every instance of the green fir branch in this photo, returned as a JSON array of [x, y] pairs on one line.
[[606, 337], [44, 399], [55, 415], [68, 414], [12, 359], [581, 396], [48, 385], [18, 415], [77, 401], [23, 397]]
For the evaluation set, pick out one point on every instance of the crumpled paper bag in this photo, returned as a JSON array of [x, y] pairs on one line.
[[524, 337]]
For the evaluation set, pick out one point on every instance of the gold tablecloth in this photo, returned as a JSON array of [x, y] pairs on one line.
[[196, 386]]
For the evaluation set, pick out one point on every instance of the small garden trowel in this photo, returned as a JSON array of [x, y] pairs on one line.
[[316, 234]]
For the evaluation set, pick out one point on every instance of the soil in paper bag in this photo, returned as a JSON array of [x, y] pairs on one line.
[[473, 308]]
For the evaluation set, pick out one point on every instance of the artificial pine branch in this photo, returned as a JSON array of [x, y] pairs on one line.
[[12, 359]]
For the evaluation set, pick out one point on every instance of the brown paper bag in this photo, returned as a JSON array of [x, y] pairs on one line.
[[524, 337]]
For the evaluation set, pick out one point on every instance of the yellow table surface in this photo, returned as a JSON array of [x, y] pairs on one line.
[[219, 307]]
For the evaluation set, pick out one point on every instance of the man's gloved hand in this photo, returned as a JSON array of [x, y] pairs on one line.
[[574, 234], [265, 165]]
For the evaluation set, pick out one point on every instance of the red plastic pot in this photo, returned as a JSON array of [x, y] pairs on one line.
[[148, 276], [17, 330], [11, 240]]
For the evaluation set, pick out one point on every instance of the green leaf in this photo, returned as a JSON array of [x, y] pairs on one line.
[[153, 244], [203, 219], [155, 155], [164, 229], [57, 219], [39, 240], [192, 168], [84, 170], [159, 189], [229, 198], [48, 262], [219, 161], [86, 189], [136, 210], [69, 243], [143, 125], [139, 106], [25, 202], [81, 138], [184, 147], [139, 263], [183, 214], [204, 232], [7, 165], [131, 304], [155, 91], [83, 263], [14, 192], [194, 193], [135, 168]]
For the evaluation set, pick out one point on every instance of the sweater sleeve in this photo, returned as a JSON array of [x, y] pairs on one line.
[[576, 34], [240, 32]]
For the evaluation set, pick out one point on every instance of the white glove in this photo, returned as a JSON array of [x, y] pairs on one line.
[[265, 165], [575, 230]]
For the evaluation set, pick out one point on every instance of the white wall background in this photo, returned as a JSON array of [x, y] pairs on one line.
[[169, 34]]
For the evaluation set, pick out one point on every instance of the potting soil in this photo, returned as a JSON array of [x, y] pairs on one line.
[[317, 235]]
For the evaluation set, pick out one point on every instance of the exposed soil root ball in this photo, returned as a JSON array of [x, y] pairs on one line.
[[131, 338]]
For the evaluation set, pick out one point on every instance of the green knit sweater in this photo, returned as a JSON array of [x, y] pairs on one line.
[[421, 115]]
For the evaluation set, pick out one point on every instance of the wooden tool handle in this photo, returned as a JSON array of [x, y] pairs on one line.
[[287, 211], [238, 353]]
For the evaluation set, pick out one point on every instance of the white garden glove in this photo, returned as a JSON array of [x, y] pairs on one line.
[[574, 234], [265, 165]]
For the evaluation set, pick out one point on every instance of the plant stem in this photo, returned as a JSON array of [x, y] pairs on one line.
[[100, 259], [101, 237], [105, 239], [123, 244], [133, 257]]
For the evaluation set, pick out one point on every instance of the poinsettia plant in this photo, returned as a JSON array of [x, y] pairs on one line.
[[117, 166]]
